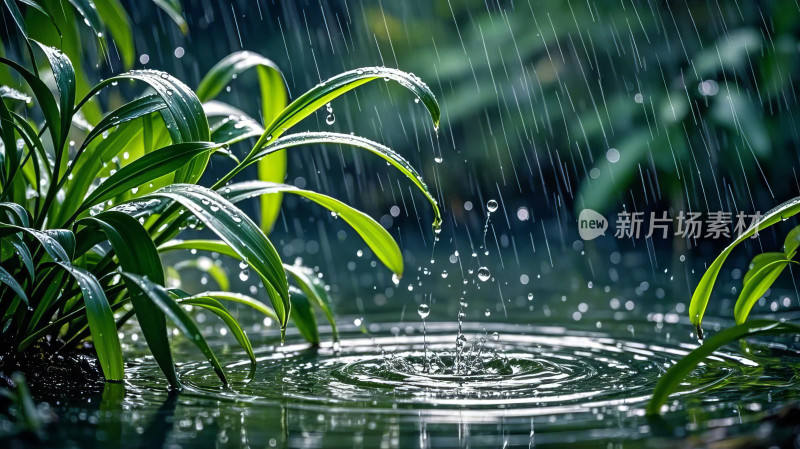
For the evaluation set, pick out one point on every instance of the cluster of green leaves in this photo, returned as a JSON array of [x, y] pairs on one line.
[[72, 25], [764, 270], [556, 85], [87, 210]]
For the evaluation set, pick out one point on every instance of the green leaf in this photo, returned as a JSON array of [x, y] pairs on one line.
[[125, 113], [6, 278], [13, 94], [243, 299], [17, 213], [147, 168], [314, 289], [229, 68], [24, 254], [113, 15], [322, 94], [19, 20], [39, 154], [64, 76], [88, 10], [764, 270], [273, 100], [374, 235], [160, 297], [10, 157], [326, 91], [34, 5], [384, 152], [240, 233], [45, 100], [792, 242], [670, 381], [50, 244], [141, 259], [228, 124], [216, 246], [89, 167], [220, 247], [702, 292], [16, 14], [175, 13], [208, 302], [303, 316], [185, 120], [65, 238], [101, 322]]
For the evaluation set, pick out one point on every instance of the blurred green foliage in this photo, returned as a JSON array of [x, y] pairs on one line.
[[698, 98]]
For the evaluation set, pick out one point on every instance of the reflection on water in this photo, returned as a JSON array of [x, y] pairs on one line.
[[547, 385]]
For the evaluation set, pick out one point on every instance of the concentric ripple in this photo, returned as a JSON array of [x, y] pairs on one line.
[[536, 371]]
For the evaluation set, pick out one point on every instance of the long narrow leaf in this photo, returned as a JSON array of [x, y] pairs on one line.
[[375, 236], [113, 14], [670, 380], [148, 167], [314, 290], [384, 152], [7, 279], [64, 75], [137, 255], [303, 316], [273, 100], [125, 113], [173, 10], [702, 292], [240, 233], [326, 91], [763, 273], [210, 303], [160, 297], [101, 322]]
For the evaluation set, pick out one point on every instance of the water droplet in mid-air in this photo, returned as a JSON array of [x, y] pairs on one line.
[[484, 274], [424, 311], [491, 206]]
